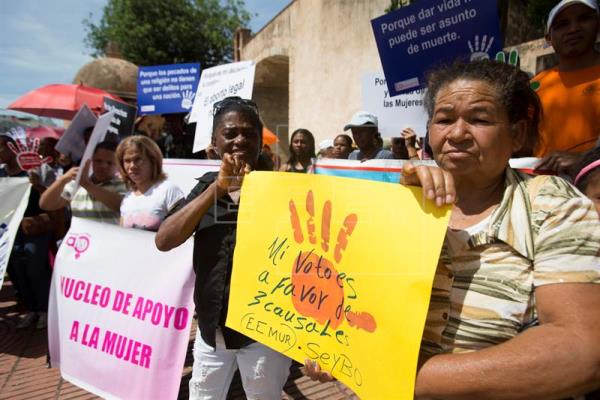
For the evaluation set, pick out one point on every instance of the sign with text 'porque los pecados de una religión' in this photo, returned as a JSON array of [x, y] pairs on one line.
[[167, 89]]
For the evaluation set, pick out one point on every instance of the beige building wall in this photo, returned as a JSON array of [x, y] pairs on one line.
[[331, 47], [311, 58]]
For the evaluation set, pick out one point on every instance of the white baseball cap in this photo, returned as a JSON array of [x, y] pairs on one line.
[[362, 119], [566, 3], [325, 144]]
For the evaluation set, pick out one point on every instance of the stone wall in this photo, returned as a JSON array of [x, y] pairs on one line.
[[515, 24], [331, 47], [320, 50]]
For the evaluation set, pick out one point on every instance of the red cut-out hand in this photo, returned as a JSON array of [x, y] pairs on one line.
[[318, 287], [27, 154]]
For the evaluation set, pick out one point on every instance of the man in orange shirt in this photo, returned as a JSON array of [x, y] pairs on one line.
[[570, 92]]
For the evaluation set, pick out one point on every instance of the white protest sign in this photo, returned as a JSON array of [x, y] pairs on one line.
[[235, 79], [120, 311], [14, 196], [97, 136], [397, 113], [183, 172], [72, 142]]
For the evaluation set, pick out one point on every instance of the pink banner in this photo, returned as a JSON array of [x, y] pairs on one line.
[[120, 312]]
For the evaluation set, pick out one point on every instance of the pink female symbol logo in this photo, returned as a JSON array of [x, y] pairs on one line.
[[79, 243]]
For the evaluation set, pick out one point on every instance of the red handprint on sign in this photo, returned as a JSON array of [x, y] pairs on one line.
[[27, 154], [319, 286]]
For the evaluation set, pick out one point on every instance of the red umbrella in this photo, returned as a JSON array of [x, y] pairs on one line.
[[44, 131], [61, 101]]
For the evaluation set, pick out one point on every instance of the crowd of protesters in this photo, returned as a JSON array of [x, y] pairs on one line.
[[514, 311]]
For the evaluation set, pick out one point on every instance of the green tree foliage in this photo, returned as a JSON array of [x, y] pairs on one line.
[[153, 32]]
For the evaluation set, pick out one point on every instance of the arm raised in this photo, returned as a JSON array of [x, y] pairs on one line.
[[177, 228], [51, 199]]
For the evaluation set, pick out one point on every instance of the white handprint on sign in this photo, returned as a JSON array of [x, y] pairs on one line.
[[188, 99], [479, 51]]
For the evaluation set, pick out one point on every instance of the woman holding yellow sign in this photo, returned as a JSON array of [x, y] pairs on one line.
[[210, 214], [515, 300]]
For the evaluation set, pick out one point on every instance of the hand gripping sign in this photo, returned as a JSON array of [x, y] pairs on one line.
[[338, 271]]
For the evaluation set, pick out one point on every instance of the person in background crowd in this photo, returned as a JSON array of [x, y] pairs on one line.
[[399, 148], [426, 152], [28, 266], [526, 324], [379, 141], [151, 195], [210, 214], [570, 92], [587, 176], [98, 197], [325, 149], [46, 174], [342, 146], [302, 151], [65, 162], [363, 126], [405, 147], [268, 158]]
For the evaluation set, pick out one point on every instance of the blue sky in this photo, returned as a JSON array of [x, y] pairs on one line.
[[41, 41]]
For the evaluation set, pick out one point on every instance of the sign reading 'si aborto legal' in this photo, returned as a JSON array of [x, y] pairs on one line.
[[419, 37]]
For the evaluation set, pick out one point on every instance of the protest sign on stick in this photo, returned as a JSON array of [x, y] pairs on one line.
[[120, 312], [167, 89], [14, 193], [394, 114], [421, 36], [26, 150], [235, 79], [122, 123], [97, 136], [72, 142], [322, 277]]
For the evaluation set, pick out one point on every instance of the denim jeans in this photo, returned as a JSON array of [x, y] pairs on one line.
[[263, 371]]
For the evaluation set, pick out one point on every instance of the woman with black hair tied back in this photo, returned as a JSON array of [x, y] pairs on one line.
[[342, 146], [210, 214], [302, 151]]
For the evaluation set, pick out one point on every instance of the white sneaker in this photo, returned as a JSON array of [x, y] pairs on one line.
[[42, 322], [27, 320]]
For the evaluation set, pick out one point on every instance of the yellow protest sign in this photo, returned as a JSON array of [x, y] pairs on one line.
[[337, 270]]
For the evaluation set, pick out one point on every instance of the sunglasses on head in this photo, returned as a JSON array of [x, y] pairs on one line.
[[234, 100]]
